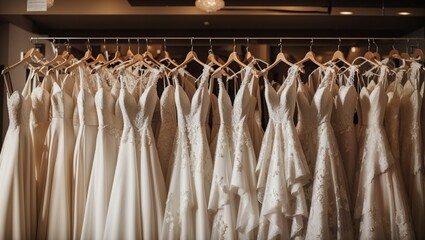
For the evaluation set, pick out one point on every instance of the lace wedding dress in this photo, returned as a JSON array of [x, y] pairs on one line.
[[186, 214], [380, 211], [104, 161], [233, 199], [412, 164], [124, 217], [345, 103], [329, 216], [167, 129], [17, 176], [282, 167]]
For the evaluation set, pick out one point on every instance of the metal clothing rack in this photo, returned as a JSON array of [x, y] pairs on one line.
[[222, 40], [228, 38]]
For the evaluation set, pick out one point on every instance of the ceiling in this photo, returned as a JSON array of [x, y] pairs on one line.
[[239, 18]]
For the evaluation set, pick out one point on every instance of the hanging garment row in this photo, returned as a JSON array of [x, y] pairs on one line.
[[136, 149]]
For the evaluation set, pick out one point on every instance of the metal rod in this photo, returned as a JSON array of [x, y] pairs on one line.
[[227, 38]]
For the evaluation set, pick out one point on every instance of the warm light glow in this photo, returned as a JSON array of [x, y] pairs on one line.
[[353, 49], [158, 51], [346, 13], [209, 5], [404, 13], [50, 3]]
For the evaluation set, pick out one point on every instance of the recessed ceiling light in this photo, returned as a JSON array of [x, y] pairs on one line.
[[353, 49], [206, 23], [404, 13], [346, 13]]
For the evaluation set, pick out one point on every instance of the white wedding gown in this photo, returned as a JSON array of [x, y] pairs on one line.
[[17, 171], [186, 214], [233, 192], [39, 123], [329, 216], [412, 164], [345, 103], [124, 217], [85, 146], [381, 210], [55, 215], [167, 129], [105, 158], [282, 168], [152, 184]]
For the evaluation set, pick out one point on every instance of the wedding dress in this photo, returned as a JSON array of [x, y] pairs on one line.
[[17, 176], [282, 167], [380, 211], [132, 188], [152, 185], [412, 164], [168, 127], [329, 216], [124, 217], [84, 149], [233, 196], [343, 125], [104, 161], [55, 215], [254, 119], [186, 214], [39, 123]]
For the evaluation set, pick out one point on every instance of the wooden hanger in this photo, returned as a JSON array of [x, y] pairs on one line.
[[310, 56], [61, 65], [418, 54], [138, 58], [369, 55], [233, 57], [165, 56], [129, 55], [32, 54], [87, 56], [212, 60], [116, 58], [339, 56], [248, 55], [406, 55], [191, 56], [280, 57], [99, 59], [149, 55]]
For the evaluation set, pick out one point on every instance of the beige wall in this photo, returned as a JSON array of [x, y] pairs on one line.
[[13, 42]]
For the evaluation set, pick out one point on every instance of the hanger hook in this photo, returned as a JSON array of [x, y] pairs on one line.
[[247, 44], [211, 48], [339, 43], [165, 44], [394, 43], [117, 44], [129, 46], [138, 46], [68, 44], [376, 45], [191, 44], [234, 44], [88, 44], [280, 44], [311, 45], [368, 44], [147, 44]]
